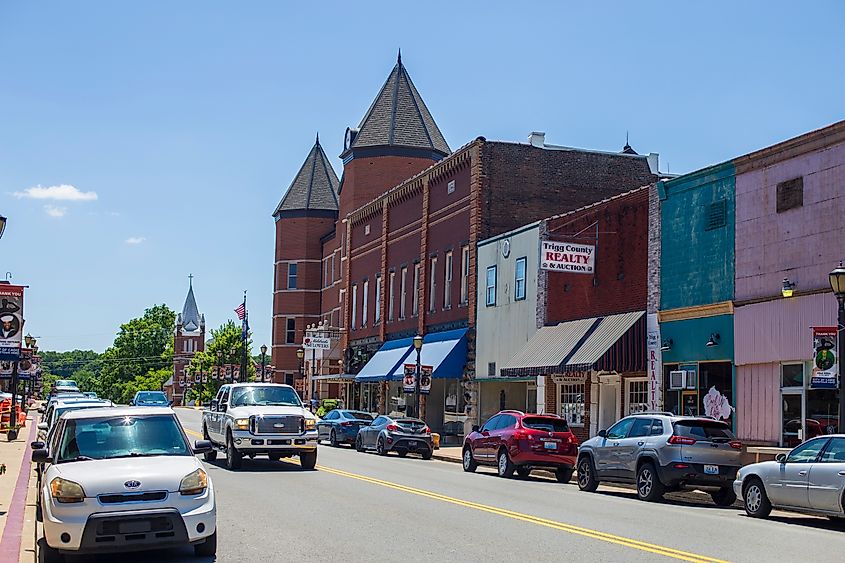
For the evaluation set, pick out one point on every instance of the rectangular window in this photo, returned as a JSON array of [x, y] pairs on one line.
[[292, 266], [403, 292], [519, 279], [365, 302], [391, 290], [790, 194], [377, 302], [637, 399], [450, 187], [354, 306], [464, 275], [415, 305], [290, 331], [717, 215], [447, 281], [572, 403], [326, 273], [432, 288], [491, 286], [332, 266], [491, 369]]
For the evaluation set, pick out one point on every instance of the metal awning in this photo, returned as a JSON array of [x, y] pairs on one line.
[[339, 377], [550, 346], [608, 332], [446, 352], [385, 361]]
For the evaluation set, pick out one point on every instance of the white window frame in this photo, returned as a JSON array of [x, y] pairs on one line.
[[464, 274], [354, 306], [377, 301], [450, 187], [641, 392], [519, 283], [391, 291], [332, 261], [365, 302], [490, 298], [571, 409], [403, 292], [447, 281], [432, 288], [415, 304]]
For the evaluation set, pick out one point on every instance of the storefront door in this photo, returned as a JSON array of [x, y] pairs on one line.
[[793, 431], [608, 404]]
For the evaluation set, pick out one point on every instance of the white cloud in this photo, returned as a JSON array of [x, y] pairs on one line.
[[135, 240], [54, 211], [63, 192]]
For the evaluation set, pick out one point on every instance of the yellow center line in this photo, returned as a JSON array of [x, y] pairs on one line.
[[572, 529]]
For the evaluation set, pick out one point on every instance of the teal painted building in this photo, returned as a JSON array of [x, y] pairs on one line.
[[697, 267]]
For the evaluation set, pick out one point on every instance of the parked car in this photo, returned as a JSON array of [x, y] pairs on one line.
[[249, 419], [65, 386], [60, 407], [809, 479], [661, 452], [90, 394], [341, 426], [514, 441], [402, 435], [61, 397], [123, 479], [150, 399]]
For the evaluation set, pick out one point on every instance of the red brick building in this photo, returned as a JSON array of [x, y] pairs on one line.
[[391, 252]]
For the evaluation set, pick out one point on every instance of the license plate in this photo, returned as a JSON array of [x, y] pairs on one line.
[[711, 469], [412, 443], [550, 445], [134, 527]]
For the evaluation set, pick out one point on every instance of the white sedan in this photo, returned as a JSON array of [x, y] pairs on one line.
[[124, 479], [810, 479]]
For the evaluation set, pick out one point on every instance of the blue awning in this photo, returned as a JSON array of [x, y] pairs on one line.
[[445, 351], [385, 361]]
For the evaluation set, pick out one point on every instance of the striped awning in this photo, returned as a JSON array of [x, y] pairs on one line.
[[605, 336], [548, 348]]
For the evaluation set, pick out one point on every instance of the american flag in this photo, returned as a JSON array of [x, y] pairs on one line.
[[241, 311]]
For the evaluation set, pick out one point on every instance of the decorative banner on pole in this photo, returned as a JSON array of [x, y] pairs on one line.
[[26, 367], [567, 257], [655, 363], [409, 378], [425, 379], [825, 358], [11, 321]]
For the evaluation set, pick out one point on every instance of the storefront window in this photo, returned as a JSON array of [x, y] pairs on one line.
[[572, 403], [707, 390], [453, 412], [637, 396], [805, 412], [792, 375]]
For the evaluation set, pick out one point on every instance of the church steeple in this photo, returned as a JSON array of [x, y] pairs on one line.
[[190, 319], [314, 188]]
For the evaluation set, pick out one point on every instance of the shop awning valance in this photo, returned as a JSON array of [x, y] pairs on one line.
[[385, 361], [445, 352], [548, 348], [611, 329]]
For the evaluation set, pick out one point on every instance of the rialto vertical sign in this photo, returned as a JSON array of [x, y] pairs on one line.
[[567, 257], [655, 363]]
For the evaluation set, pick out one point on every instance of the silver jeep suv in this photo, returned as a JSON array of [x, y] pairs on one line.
[[663, 452]]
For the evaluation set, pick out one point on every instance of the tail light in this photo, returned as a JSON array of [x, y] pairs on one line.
[[681, 440], [347, 423], [735, 444], [681, 466], [426, 430], [392, 427]]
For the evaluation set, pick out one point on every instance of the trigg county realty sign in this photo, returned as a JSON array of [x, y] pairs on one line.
[[567, 257]]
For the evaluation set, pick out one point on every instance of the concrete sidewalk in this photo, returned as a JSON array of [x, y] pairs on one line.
[[17, 494]]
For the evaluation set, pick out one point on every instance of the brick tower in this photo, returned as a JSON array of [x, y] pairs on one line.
[[187, 341], [307, 212]]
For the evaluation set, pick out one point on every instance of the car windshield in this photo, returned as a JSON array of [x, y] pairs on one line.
[[151, 397], [359, 415], [547, 424], [264, 395], [65, 383], [704, 430], [121, 436]]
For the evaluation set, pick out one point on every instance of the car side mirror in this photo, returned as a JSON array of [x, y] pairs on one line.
[[475, 428], [43, 426], [214, 403], [37, 445], [41, 410], [202, 446], [603, 433], [131, 402], [222, 408], [170, 403], [40, 456], [780, 458]]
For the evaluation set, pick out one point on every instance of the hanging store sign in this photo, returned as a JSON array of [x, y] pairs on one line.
[[825, 358], [11, 321], [655, 363], [567, 257], [316, 343], [409, 378]]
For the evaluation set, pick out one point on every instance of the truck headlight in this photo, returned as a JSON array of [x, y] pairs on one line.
[[310, 423], [66, 491], [242, 423], [194, 483]]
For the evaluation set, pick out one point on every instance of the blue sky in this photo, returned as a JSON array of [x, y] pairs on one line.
[[187, 120]]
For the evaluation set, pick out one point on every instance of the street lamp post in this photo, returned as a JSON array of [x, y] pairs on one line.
[[300, 354], [232, 374], [263, 360], [2, 225], [418, 342], [220, 365], [837, 284]]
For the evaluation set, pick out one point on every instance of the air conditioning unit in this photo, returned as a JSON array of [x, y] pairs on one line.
[[677, 380]]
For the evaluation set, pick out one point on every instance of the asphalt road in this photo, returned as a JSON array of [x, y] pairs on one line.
[[362, 507]]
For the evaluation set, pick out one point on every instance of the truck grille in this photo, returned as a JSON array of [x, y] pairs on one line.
[[291, 424], [132, 497]]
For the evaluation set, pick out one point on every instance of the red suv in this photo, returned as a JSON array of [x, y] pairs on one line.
[[515, 441]]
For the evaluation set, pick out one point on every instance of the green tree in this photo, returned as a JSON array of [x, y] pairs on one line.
[[83, 366], [225, 339]]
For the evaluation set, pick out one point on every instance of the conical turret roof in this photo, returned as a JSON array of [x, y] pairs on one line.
[[314, 187], [399, 117], [190, 313]]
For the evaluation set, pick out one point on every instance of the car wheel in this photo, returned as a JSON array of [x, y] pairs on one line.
[[587, 480], [504, 464], [724, 497], [380, 450], [274, 456], [402, 453], [523, 471], [649, 487], [359, 444], [333, 439], [47, 554], [469, 462], [308, 460], [212, 454], [564, 474], [427, 454], [233, 456], [208, 548], [755, 500]]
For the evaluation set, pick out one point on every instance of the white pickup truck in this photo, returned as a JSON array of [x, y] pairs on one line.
[[249, 419]]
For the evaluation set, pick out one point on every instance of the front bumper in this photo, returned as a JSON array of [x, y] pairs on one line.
[[90, 527], [246, 442], [694, 475]]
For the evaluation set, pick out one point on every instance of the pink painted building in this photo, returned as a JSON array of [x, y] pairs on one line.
[[790, 229]]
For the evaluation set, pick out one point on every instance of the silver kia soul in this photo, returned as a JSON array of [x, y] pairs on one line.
[[662, 452]]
